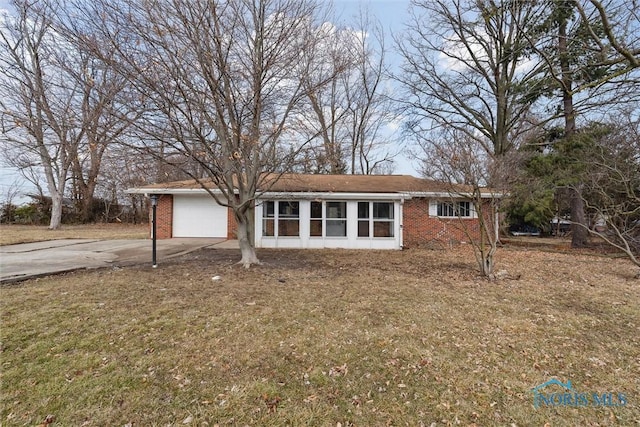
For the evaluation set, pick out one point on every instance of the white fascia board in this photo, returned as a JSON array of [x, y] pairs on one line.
[[322, 195], [447, 195], [271, 195], [147, 191]]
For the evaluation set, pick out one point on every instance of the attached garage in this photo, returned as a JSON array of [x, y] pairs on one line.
[[198, 216], [327, 211]]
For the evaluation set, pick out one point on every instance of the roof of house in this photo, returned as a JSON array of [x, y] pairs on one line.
[[304, 183]]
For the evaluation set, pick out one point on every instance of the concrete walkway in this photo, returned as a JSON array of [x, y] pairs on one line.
[[29, 260]]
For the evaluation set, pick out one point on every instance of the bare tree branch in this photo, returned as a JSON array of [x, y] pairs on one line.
[[220, 83]]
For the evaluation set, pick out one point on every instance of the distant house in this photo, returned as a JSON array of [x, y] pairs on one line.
[[327, 211]]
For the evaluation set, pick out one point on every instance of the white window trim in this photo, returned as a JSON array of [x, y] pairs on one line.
[[325, 219], [371, 220], [276, 218], [351, 241], [433, 208]]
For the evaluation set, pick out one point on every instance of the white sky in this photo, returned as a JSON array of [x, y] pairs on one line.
[[392, 15]]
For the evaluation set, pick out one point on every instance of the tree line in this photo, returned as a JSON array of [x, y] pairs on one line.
[[536, 99]]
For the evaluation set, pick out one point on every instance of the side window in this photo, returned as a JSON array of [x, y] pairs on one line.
[[454, 209]]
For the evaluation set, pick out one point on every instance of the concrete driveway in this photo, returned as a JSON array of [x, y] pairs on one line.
[[28, 260]]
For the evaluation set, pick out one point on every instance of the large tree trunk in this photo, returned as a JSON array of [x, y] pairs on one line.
[[245, 231], [56, 210], [86, 211], [55, 185], [488, 236], [85, 188], [579, 231]]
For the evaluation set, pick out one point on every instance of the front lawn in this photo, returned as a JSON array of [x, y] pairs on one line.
[[11, 234], [325, 338]]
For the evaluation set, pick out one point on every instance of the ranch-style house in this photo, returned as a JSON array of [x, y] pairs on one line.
[[327, 211]]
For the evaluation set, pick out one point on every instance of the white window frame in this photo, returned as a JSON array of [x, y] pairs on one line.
[[435, 206], [371, 219], [326, 220], [276, 218]]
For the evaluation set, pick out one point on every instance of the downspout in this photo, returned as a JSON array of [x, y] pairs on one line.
[[496, 219], [401, 221]]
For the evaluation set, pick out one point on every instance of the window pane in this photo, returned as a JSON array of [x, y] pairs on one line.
[[316, 209], [267, 210], [383, 229], [363, 228], [464, 209], [315, 226], [267, 227], [363, 210], [336, 228], [446, 209], [383, 210], [288, 227], [288, 209], [336, 209]]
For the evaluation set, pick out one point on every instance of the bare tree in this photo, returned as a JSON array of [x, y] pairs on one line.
[[484, 68], [104, 119], [62, 106], [36, 98], [612, 187], [220, 82], [461, 162], [466, 67], [370, 109], [618, 21], [328, 60], [124, 168], [351, 115]]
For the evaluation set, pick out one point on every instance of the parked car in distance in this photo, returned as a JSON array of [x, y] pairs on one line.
[[560, 226], [524, 230]]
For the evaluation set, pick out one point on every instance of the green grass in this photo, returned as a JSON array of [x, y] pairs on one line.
[[362, 338]]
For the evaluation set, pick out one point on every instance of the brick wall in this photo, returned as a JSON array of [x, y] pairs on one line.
[[418, 227], [422, 230], [164, 217]]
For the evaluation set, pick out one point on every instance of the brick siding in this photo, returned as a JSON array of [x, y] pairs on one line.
[[419, 229], [164, 217], [422, 230]]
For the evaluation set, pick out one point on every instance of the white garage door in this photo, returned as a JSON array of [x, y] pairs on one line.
[[198, 216]]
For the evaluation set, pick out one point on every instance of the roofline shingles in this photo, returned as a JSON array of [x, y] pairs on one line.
[[297, 183]]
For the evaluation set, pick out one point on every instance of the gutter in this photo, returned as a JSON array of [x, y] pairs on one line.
[[322, 194], [448, 195]]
